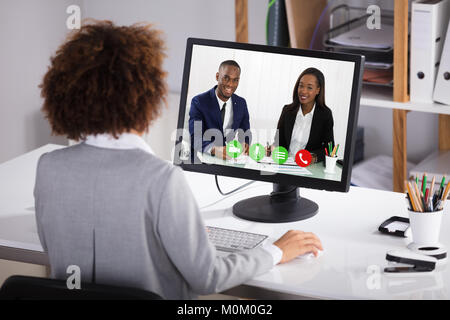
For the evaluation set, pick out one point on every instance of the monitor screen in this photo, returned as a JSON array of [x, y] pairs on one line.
[[288, 112], [265, 113]]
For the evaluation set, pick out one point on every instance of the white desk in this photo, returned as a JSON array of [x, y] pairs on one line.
[[347, 224], [315, 170]]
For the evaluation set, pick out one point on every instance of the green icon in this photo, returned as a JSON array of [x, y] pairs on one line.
[[256, 151], [234, 149], [280, 155]]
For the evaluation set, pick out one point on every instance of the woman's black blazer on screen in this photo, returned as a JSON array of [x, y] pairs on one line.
[[321, 129]]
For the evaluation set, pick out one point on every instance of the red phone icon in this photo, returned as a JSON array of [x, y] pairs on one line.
[[303, 158]]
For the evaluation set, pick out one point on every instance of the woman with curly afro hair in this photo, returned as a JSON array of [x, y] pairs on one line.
[[110, 206]]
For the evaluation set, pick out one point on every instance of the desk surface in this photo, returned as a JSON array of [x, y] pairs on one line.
[[354, 251], [315, 170]]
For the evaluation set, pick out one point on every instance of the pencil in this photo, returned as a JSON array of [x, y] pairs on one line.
[[337, 148], [413, 204], [334, 151], [418, 197], [426, 205], [326, 151], [447, 189], [415, 197]]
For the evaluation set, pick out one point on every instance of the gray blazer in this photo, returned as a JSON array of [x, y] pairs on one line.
[[127, 218]]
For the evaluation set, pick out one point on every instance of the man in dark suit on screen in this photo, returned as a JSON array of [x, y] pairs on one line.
[[219, 108]]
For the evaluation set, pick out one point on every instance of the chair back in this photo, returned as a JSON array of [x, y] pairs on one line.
[[34, 288]]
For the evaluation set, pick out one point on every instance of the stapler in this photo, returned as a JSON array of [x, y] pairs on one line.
[[415, 262]]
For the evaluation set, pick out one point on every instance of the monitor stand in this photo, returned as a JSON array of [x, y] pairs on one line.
[[284, 204]]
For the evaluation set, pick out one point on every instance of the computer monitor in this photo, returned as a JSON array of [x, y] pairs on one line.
[[281, 115]]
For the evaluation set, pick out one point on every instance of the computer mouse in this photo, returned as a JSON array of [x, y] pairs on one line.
[[310, 255]]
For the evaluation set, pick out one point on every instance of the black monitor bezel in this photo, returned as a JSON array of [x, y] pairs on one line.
[[286, 179]]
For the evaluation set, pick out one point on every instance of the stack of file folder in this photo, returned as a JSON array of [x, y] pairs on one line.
[[429, 21]]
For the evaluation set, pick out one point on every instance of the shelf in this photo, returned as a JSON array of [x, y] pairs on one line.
[[382, 97]]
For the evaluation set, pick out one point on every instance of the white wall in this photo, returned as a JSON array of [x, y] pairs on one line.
[[30, 32], [179, 20]]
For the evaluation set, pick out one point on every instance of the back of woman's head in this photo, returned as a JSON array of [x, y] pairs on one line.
[[105, 79], [320, 98]]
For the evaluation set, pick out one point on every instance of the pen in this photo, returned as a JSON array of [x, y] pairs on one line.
[[442, 182], [438, 205], [409, 202], [337, 148], [435, 198], [430, 198], [326, 151], [424, 183], [334, 151], [417, 179], [441, 188], [421, 186], [426, 205]]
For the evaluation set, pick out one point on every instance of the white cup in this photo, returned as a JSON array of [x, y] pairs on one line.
[[330, 164], [425, 227]]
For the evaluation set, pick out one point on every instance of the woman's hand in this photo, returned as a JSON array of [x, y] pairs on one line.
[[220, 152], [246, 148], [294, 243]]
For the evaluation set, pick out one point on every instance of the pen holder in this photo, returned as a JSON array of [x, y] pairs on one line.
[[330, 164], [425, 227]]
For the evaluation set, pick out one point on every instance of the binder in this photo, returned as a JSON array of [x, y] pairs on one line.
[[442, 88], [429, 20]]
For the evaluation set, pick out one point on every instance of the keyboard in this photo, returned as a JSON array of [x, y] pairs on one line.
[[233, 240]]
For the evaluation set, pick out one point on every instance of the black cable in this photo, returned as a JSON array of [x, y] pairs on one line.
[[273, 193], [237, 189]]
